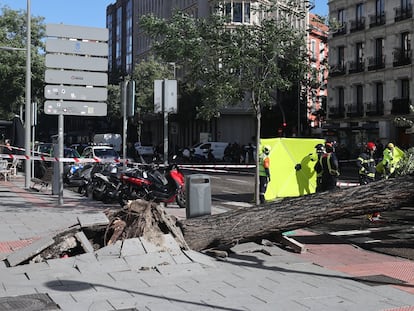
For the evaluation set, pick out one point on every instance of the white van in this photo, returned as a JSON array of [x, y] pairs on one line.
[[217, 148]]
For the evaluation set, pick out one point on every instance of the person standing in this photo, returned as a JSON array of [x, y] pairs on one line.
[[328, 167], [366, 164], [320, 151], [387, 161], [264, 172]]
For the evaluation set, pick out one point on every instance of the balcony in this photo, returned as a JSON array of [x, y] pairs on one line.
[[377, 20], [337, 70], [356, 66], [402, 13], [375, 109], [357, 25], [355, 110], [377, 62], [400, 106], [340, 31], [336, 112], [402, 57]]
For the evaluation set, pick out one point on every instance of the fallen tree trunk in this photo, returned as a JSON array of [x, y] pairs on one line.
[[249, 224]]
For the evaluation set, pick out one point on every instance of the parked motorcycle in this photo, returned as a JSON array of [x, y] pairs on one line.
[[105, 184], [149, 183], [78, 175]]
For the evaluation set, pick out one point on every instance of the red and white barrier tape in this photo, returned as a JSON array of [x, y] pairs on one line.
[[346, 184]]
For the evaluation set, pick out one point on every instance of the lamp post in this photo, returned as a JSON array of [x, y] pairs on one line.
[[27, 123]]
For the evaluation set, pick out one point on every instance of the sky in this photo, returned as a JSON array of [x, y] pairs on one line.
[[89, 13]]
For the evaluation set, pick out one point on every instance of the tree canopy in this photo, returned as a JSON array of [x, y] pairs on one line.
[[13, 29], [229, 65], [232, 65]]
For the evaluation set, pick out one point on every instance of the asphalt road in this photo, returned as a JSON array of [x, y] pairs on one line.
[[393, 234]]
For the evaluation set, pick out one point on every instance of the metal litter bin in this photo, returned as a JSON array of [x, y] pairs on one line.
[[198, 195]]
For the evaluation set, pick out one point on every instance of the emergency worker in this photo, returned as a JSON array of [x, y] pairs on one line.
[[387, 160], [264, 172], [320, 151], [366, 164], [328, 168]]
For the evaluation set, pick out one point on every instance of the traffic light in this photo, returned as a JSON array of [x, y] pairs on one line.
[[284, 124]]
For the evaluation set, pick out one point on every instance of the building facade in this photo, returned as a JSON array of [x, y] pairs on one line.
[[128, 45], [317, 91], [370, 86]]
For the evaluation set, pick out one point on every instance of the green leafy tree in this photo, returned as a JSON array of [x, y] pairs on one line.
[[231, 65], [13, 29], [144, 75]]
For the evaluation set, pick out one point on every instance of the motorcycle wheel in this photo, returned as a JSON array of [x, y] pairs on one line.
[[180, 198]]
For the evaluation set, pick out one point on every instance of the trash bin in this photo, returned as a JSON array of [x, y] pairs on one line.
[[198, 195]]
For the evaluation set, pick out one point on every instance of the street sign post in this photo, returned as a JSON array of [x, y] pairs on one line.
[[75, 93], [73, 108], [76, 73]]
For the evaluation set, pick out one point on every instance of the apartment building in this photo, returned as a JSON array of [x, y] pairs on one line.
[[128, 45], [317, 91], [370, 85]]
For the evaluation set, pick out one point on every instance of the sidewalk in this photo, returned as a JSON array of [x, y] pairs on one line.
[[330, 275]]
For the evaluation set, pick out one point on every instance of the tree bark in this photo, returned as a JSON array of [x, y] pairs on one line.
[[249, 224]]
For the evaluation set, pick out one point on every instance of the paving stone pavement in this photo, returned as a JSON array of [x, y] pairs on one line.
[[136, 275]]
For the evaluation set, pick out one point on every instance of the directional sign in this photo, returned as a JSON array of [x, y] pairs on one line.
[[76, 62], [78, 32], [76, 77], [74, 108], [76, 47], [76, 70], [76, 93]]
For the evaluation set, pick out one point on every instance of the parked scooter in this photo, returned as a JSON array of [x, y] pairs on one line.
[[105, 184], [147, 182], [78, 175]]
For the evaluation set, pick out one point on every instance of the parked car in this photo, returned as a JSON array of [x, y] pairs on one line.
[[217, 149], [144, 150], [103, 152]]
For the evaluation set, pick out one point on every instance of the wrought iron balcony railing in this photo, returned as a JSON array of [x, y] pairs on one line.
[[402, 57], [357, 25], [377, 20], [376, 62], [375, 109], [356, 66], [403, 12]]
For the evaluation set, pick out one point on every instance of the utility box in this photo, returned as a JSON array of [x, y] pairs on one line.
[[198, 195]]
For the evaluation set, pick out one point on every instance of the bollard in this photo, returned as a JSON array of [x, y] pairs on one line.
[[198, 195]]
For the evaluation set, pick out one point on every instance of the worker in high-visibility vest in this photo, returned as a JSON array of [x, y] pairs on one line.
[[388, 161], [328, 168], [264, 172], [366, 164]]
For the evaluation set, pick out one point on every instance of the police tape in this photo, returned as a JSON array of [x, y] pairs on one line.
[[54, 159], [347, 184]]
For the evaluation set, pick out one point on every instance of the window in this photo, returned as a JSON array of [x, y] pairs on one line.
[[238, 12], [359, 52], [379, 92], [405, 88], [341, 17], [405, 5], [341, 55], [379, 8], [359, 95], [405, 41], [313, 49], [359, 12], [341, 97], [379, 48]]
